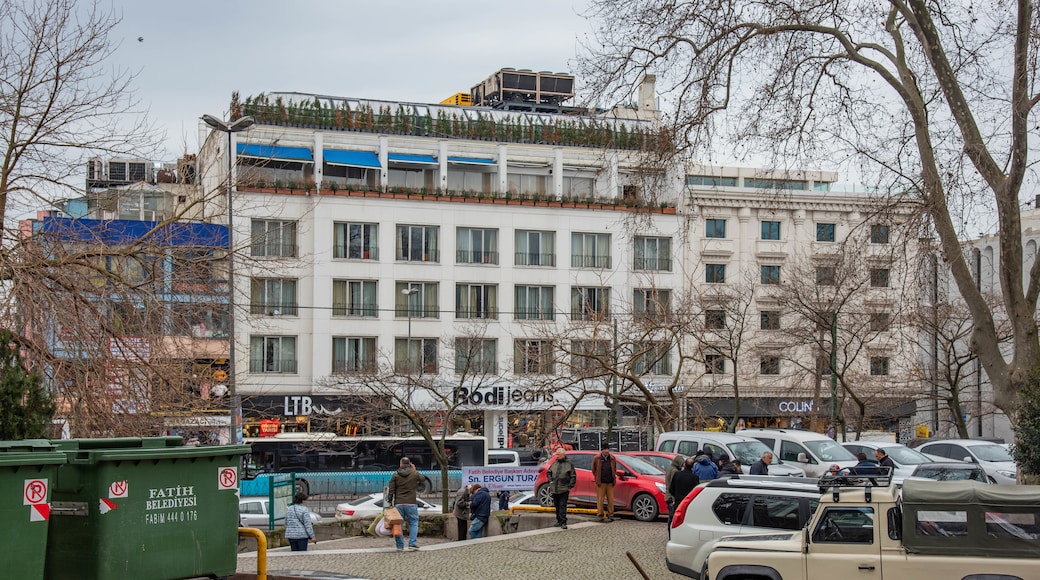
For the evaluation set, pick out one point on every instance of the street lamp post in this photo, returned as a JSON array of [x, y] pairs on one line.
[[409, 292], [236, 402]]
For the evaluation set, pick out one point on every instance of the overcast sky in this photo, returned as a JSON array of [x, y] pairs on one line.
[[193, 54]]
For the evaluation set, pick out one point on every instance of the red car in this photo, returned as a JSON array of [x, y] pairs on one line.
[[639, 487]]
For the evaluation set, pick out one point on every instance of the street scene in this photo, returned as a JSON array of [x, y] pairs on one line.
[[726, 291]]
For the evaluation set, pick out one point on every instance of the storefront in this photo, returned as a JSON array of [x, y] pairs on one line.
[[264, 415], [794, 413]]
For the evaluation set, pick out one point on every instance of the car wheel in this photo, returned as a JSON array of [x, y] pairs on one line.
[[425, 486], [545, 498], [303, 487], [644, 507]]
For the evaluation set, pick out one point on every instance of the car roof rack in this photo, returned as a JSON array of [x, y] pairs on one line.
[[857, 477]]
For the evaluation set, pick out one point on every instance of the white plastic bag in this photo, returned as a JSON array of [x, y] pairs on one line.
[[382, 529]]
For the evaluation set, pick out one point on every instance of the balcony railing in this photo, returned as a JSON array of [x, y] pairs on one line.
[[656, 264], [529, 259], [476, 257], [586, 261], [272, 366]]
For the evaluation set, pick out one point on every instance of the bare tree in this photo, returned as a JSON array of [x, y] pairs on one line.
[[928, 100]]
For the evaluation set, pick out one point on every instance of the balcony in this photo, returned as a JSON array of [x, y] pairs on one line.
[[720, 247]]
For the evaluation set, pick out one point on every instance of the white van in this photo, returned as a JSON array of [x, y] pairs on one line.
[[814, 452], [747, 450], [503, 458]]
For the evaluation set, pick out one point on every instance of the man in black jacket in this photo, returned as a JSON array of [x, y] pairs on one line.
[[684, 481], [562, 478], [479, 511]]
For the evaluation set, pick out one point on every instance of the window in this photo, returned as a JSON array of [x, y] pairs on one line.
[[590, 303], [354, 298], [653, 254], [469, 178], [710, 180], [943, 523], [770, 274], [776, 512], [421, 302], [577, 187], [476, 356], [534, 248], [525, 183], [534, 303], [417, 244], [770, 319], [715, 273], [356, 241], [590, 357], [825, 276], [353, 355], [878, 366], [714, 319], [714, 364], [730, 508], [476, 301], [879, 277], [880, 321], [846, 525], [590, 250], [652, 304], [652, 358], [273, 239], [824, 232], [273, 296], [776, 184], [418, 355], [409, 177], [532, 357], [476, 246], [769, 365], [789, 451], [879, 234], [770, 230], [272, 354], [715, 228]]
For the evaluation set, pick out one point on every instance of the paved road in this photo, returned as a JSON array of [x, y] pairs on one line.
[[586, 550]]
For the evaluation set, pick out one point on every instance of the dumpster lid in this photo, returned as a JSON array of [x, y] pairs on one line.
[[29, 452]]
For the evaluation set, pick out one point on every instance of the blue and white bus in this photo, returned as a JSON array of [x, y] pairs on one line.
[[326, 463]]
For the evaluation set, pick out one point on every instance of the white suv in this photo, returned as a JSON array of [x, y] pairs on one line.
[[745, 504], [814, 452]]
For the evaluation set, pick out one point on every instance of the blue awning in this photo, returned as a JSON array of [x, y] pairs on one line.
[[351, 158], [405, 158], [275, 152], [471, 160]]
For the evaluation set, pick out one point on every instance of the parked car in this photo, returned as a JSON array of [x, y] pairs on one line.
[[639, 487], [814, 452], [745, 449], [661, 460], [503, 458], [735, 505], [371, 505], [993, 458], [523, 498], [906, 459], [950, 471], [254, 512]]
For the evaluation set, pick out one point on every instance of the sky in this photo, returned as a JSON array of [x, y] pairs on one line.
[[190, 55]]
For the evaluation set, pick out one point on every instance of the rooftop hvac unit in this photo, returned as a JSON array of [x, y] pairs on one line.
[[127, 171], [95, 169], [523, 86]]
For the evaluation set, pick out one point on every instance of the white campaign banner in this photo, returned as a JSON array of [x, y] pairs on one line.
[[498, 478]]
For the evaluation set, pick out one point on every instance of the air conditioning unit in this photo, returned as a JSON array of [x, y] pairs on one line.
[[95, 169], [127, 171]]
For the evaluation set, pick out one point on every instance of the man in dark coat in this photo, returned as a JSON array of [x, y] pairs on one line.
[[604, 473], [562, 479], [761, 467], [479, 511], [402, 493]]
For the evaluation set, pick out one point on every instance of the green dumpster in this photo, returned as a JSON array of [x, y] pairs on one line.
[[27, 471], [144, 508]]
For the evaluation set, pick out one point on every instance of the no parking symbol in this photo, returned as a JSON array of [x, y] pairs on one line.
[[35, 491], [227, 478]]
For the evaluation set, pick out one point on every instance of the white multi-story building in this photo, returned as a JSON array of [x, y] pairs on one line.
[[377, 234]]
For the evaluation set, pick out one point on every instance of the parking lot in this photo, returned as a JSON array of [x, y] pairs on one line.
[[550, 553]]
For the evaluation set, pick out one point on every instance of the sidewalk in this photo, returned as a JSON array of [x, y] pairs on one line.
[[568, 553]]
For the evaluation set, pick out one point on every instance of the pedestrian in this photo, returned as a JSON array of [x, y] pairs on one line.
[[704, 467], [479, 511], [865, 466], [462, 499], [684, 481], [403, 495], [604, 473], [503, 499], [562, 478], [737, 467], [727, 467], [761, 467], [884, 460], [677, 464], [298, 528]]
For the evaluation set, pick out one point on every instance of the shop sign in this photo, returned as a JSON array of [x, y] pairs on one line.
[[498, 396], [302, 406], [269, 427], [795, 406]]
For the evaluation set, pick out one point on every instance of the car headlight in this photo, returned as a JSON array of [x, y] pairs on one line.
[[660, 486], [1007, 474]]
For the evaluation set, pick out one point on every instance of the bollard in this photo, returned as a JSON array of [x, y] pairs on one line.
[[261, 550]]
